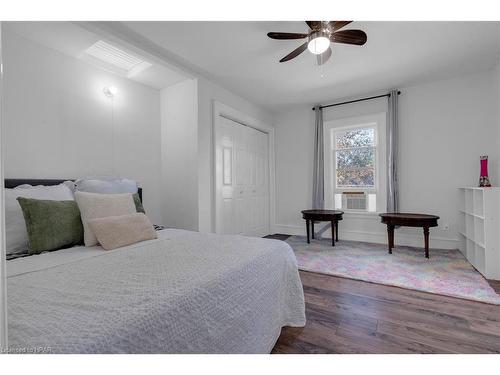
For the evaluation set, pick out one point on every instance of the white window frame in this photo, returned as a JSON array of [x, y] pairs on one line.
[[333, 133], [376, 121]]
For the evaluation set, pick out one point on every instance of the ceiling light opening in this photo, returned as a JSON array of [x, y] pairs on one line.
[[126, 63]]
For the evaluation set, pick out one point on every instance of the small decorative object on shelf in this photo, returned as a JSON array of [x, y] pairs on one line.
[[484, 180]]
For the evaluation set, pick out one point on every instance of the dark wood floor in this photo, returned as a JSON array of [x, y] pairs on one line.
[[350, 316]]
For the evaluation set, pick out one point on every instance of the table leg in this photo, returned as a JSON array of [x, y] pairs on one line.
[[337, 231], [333, 233], [390, 235], [312, 229], [307, 230], [426, 239]]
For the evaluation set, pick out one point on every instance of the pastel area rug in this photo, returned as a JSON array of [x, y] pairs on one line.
[[447, 272]]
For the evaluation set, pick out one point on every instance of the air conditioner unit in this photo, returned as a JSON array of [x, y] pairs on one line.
[[354, 200]]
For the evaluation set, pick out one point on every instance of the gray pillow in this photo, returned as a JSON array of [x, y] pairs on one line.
[[106, 185]]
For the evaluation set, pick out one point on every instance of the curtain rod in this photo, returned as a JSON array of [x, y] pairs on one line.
[[355, 101]]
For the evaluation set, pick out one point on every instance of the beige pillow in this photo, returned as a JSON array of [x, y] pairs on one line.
[[117, 231], [93, 206]]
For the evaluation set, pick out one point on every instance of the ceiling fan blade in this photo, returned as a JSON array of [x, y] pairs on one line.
[[323, 57], [277, 35], [314, 25], [297, 51], [357, 37], [337, 25]]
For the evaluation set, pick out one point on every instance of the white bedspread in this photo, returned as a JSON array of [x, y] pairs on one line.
[[183, 293]]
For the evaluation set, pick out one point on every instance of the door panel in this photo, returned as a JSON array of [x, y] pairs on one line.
[[242, 179]]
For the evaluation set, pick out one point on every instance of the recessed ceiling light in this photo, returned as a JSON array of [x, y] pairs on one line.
[[127, 63]]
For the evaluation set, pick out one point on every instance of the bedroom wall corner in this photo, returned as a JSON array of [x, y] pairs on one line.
[[3, 275]]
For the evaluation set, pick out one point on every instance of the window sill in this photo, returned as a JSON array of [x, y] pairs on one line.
[[354, 214]]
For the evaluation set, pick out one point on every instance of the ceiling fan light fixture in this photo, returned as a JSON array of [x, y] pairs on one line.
[[318, 42]]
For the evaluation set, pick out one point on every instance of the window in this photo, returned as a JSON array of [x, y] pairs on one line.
[[353, 161], [355, 152]]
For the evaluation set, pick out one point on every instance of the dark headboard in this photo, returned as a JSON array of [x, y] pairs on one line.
[[11, 183]]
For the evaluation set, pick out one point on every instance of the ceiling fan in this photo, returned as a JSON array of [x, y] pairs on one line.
[[319, 38]]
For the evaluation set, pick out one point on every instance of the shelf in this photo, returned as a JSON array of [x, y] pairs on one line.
[[461, 201], [478, 231], [477, 202], [470, 251], [478, 218], [479, 257], [480, 188], [471, 214], [469, 226], [480, 244], [469, 201]]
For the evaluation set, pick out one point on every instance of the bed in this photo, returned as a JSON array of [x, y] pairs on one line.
[[185, 292]]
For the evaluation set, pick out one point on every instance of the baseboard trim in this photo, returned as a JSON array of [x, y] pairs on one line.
[[403, 239]]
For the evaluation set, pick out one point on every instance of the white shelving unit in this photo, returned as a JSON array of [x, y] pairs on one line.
[[479, 227]]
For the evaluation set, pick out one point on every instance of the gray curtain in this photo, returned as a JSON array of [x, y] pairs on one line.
[[318, 197], [392, 154]]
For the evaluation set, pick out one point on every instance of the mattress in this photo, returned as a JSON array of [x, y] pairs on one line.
[[184, 292]]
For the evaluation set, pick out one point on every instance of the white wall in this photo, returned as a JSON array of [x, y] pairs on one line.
[[3, 273], [444, 127], [496, 82], [58, 123], [179, 140]]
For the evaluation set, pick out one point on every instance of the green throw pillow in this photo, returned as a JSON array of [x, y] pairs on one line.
[[138, 203], [51, 225]]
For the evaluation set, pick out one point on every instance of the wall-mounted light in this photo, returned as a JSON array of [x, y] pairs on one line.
[[110, 91]]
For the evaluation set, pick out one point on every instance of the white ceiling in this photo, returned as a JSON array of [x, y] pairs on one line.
[[71, 39], [239, 56]]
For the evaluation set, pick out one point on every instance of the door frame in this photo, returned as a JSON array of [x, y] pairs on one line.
[[221, 109]]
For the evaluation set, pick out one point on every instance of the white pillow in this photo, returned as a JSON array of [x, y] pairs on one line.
[[93, 206], [15, 227], [116, 231], [70, 184], [106, 185]]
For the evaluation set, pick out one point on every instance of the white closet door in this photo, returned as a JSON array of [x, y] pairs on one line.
[[242, 179]]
